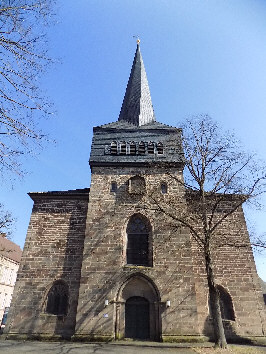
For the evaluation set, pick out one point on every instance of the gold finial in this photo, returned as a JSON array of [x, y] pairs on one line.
[[138, 40]]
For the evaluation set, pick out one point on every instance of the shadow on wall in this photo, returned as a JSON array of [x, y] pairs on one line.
[[71, 273], [60, 261], [230, 329]]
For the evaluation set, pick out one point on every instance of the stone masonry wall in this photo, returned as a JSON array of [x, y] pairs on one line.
[[235, 270], [104, 267], [53, 250]]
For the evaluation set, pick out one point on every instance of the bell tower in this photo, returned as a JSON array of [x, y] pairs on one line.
[[136, 138]]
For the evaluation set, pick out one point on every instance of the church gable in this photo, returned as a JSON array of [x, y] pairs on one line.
[[52, 254]]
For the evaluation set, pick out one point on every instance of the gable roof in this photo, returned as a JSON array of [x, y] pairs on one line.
[[9, 249]]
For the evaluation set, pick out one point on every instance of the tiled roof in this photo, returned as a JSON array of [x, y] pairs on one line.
[[9, 249], [137, 106]]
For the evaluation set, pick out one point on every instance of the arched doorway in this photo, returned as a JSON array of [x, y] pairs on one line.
[[137, 318], [138, 309]]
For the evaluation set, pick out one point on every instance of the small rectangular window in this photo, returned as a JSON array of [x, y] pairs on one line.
[[164, 188], [113, 187]]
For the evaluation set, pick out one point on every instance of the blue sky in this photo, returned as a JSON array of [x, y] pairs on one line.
[[200, 57]]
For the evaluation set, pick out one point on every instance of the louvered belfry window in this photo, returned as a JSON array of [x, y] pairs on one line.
[[57, 299], [137, 241]]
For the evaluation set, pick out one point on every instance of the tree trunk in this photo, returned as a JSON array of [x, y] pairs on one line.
[[220, 340]]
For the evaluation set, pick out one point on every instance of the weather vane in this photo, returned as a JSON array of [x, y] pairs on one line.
[[138, 40]]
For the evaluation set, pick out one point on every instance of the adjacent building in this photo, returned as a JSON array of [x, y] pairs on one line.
[[10, 255], [98, 264]]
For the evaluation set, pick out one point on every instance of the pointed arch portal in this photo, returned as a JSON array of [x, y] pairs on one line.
[[138, 309]]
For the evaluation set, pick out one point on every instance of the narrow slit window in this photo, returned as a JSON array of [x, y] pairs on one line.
[[113, 187], [163, 188]]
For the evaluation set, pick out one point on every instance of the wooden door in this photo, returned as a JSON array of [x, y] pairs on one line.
[[137, 318]]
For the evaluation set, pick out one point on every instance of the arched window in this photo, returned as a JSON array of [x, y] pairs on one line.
[[57, 299], [141, 148], [132, 148], [123, 148], [138, 250], [163, 188], [151, 148], [113, 148], [226, 304], [160, 148]]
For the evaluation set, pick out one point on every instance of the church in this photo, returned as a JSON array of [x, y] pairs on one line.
[[100, 265]]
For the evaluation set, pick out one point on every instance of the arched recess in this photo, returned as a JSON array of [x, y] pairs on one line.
[[137, 185], [226, 304], [139, 241], [138, 293]]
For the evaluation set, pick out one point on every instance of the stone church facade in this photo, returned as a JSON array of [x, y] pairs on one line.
[[98, 264]]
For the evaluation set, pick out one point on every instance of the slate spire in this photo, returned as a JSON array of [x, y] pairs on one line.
[[137, 107]]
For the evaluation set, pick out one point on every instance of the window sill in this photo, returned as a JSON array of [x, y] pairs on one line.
[[133, 266], [45, 314], [224, 320]]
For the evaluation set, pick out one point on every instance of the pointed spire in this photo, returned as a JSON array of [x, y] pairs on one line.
[[137, 106]]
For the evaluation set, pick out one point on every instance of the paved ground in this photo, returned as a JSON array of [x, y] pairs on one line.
[[16, 347], [32, 347]]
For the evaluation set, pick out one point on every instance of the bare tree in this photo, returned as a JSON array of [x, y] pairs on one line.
[[6, 221], [23, 57], [218, 178]]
